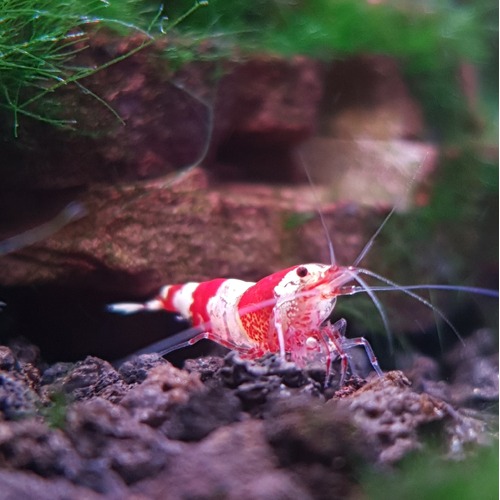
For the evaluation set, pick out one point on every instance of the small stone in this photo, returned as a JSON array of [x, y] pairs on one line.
[[7, 358]]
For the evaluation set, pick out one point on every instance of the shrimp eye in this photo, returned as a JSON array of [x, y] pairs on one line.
[[302, 271]]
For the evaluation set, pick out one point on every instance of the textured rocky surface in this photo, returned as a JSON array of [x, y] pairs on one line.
[[169, 119], [219, 428], [179, 229]]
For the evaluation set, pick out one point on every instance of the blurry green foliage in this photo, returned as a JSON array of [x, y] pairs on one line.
[[422, 32], [297, 219], [431, 38], [451, 236], [427, 475]]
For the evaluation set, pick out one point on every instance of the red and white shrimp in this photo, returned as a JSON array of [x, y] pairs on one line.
[[286, 313]]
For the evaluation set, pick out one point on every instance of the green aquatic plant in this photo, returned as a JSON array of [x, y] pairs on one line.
[[427, 475], [55, 411], [39, 39]]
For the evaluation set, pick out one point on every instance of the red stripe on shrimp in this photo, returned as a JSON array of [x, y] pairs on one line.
[[167, 295], [201, 295], [258, 323]]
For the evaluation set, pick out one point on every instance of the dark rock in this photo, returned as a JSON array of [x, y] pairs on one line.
[[297, 447], [165, 387], [56, 372], [137, 369], [393, 417], [258, 381], [471, 369], [107, 433], [425, 376], [207, 366], [93, 377], [255, 393], [319, 444], [474, 365], [31, 445], [19, 386], [7, 359], [302, 430], [202, 414], [25, 352], [17, 399], [237, 370], [100, 447]]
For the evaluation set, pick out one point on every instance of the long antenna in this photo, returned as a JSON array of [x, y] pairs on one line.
[[73, 211], [317, 204], [368, 246]]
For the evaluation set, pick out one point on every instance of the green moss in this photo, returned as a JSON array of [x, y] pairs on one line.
[[38, 40], [55, 412], [422, 32], [427, 475]]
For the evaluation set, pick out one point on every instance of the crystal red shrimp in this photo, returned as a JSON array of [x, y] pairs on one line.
[[286, 313]]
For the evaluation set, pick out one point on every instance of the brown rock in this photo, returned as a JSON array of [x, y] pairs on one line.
[[234, 462], [26, 485], [100, 430], [167, 119], [367, 98], [138, 237], [370, 172], [165, 387], [391, 415], [268, 118]]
